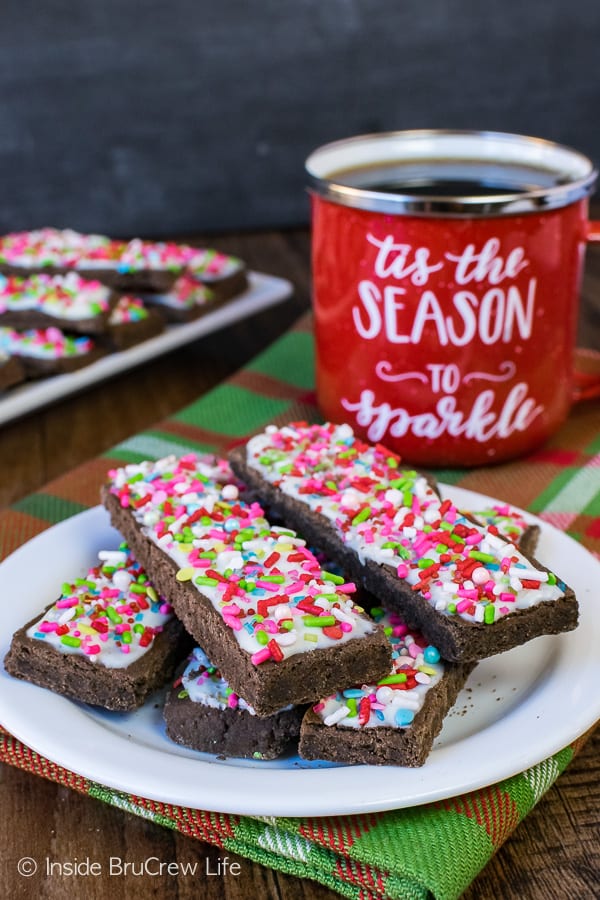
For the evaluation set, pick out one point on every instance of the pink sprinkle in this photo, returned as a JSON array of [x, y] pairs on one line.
[[67, 603], [92, 649], [294, 587], [348, 588], [473, 538], [267, 586], [231, 610], [462, 605], [402, 571], [233, 622], [414, 650], [345, 626], [48, 626], [507, 598], [124, 648], [165, 609], [504, 610], [232, 701], [260, 656], [271, 626], [318, 707]]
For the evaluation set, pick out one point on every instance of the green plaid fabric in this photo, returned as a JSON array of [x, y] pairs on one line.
[[430, 851]]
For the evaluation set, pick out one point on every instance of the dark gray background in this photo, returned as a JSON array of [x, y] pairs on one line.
[[178, 116]]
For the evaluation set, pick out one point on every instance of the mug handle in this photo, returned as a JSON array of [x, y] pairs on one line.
[[586, 385]]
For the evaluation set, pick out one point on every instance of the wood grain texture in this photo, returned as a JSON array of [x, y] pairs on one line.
[[553, 855]]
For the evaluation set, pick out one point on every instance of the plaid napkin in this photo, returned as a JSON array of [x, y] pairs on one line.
[[434, 850]]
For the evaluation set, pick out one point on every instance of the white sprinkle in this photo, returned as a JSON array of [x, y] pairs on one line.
[[287, 638], [336, 716], [230, 492], [113, 557], [122, 579]]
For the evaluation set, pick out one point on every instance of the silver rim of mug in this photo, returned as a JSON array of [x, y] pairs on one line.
[[577, 172]]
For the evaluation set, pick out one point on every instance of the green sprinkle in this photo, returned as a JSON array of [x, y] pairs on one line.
[[205, 581], [286, 624], [425, 563], [70, 641], [318, 621], [489, 614], [351, 704], [400, 678], [152, 593], [126, 637], [329, 576], [551, 578], [261, 636], [276, 579], [113, 615], [362, 516], [208, 554], [182, 694], [392, 462], [451, 608], [482, 557], [138, 628]]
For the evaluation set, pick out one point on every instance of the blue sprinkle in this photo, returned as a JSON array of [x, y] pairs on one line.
[[431, 654], [39, 634], [139, 616], [353, 692], [380, 715], [231, 524], [404, 716], [249, 628]]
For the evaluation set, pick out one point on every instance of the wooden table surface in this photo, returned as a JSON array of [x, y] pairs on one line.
[[554, 853]]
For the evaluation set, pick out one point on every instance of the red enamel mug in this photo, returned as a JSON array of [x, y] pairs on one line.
[[446, 276]]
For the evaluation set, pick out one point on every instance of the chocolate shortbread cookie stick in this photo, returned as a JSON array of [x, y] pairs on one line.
[[64, 301], [49, 351], [130, 323], [187, 300], [203, 712], [11, 371], [395, 721], [277, 625], [470, 592], [134, 265], [109, 640]]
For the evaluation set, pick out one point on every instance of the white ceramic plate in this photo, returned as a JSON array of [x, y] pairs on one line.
[[263, 291], [516, 709]]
